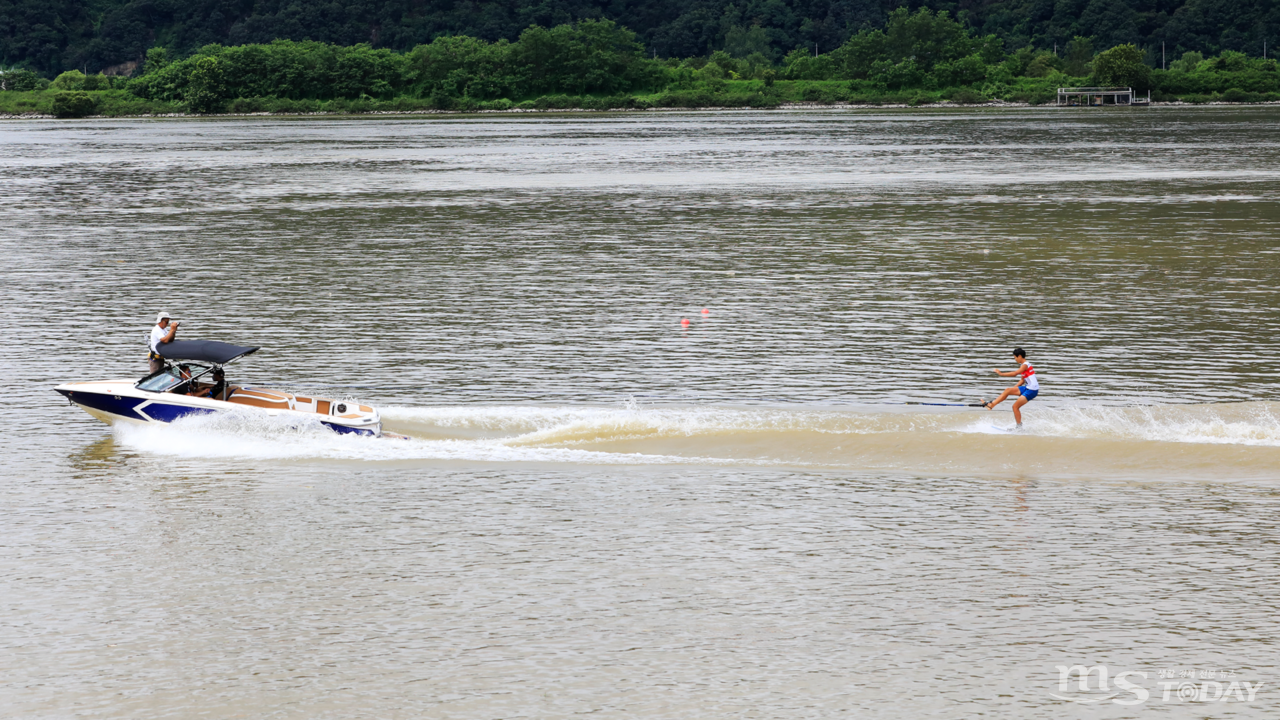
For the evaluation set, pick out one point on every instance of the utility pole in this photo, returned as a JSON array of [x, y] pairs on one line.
[[1162, 67]]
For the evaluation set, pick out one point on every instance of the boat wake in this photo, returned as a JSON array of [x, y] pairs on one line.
[[1164, 441], [257, 437]]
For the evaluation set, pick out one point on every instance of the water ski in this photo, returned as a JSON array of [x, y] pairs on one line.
[[934, 404]]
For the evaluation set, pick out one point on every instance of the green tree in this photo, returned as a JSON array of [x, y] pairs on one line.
[[756, 65], [157, 58], [711, 71], [800, 64], [896, 76], [590, 56], [741, 42], [924, 37], [1230, 61], [460, 66], [1044, 64], [96, 82], [1021, 59], [73, 104], [69, 80], [21, 81], [965, 71], [856, 57], [1079, 54], [362, 71], [1122, 65], [207, 85], [1187, 63], [726, 61]]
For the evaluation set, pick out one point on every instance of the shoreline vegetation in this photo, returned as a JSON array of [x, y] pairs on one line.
[[919, 59], [941, 105]]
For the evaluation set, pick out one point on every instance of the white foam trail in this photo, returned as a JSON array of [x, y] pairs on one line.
[[899, 438], [1236, 423], [261, 437], [533, 425], [1230, 424]]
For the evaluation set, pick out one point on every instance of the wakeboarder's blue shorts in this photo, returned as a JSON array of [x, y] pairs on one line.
[[1028, 394]]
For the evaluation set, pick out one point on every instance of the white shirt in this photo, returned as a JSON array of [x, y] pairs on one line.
[[1029, 375], [157, 334]]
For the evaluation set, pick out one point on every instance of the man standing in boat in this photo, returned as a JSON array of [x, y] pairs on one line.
[[163, 332], [1027, 388]]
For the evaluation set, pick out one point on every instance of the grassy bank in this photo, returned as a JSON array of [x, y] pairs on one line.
[[111, 103], [728, 94]]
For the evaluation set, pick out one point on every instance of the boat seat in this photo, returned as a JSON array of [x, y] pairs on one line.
[[260, 398]]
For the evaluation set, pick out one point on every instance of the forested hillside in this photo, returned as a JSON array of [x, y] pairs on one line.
[[55, 35], [918, 58]]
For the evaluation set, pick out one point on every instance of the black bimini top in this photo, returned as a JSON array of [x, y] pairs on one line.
[[210, 351]]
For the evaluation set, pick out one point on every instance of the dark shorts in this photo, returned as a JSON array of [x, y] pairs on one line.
[[1028, 394]]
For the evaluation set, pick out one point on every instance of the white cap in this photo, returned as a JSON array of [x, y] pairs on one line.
[[162, 316]]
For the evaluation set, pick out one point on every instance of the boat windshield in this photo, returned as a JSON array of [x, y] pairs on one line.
[[162, 381], [174, 378]]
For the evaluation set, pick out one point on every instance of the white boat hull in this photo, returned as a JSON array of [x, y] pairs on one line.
[[114, 401]]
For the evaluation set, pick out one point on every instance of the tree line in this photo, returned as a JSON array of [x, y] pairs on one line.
[[50, 36], [918, 57], [583, 58]]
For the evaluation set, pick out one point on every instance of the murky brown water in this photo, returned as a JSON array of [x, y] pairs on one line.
[[602, 512]]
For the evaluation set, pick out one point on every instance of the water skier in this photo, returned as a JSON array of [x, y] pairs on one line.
[[1027, 388]]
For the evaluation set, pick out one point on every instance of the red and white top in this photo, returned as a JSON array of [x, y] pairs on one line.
[[1028, 374]]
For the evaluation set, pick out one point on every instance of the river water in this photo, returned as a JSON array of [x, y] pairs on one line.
[[601, 511]]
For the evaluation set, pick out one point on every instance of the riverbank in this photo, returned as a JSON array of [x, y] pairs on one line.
[[943, 105]]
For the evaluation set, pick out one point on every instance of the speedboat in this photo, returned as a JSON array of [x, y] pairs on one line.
[[192, 382]]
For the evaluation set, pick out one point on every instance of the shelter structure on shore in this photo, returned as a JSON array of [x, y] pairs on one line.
[[1096, 96]]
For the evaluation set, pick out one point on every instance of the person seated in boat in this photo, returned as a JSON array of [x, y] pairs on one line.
[[219, 384], [219, 389], [186, 387], [214, 391], [163, 332]]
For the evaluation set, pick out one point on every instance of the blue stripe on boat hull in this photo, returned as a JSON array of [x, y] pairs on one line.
[[114, 404], [169, 413], [344, 430]]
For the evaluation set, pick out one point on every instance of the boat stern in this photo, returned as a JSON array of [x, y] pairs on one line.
[[351, 418]]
